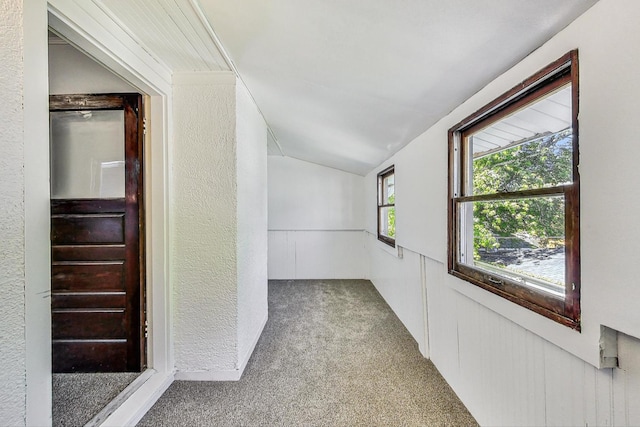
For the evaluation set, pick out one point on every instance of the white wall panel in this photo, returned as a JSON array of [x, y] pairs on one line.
[[443, 341], [626, 385], [251, 158], [422, 188], [503, 373], [316, 254], [306, 196], [282, 255], [315, 221], [603, 385], [399, 282]]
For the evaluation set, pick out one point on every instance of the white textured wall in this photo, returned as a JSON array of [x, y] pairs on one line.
[[203, 230], [71, 71], [251, 137], [509, 365], [218, 225], [12, 224], [315, 221]]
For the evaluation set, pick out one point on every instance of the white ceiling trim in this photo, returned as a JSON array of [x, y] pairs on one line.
[[130, 33], [86, 26]]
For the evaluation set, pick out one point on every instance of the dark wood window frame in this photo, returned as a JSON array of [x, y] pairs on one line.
[[381, 205], [565, 310]]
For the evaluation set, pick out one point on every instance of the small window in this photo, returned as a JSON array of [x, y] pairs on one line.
[[514, 195], [387, 207]]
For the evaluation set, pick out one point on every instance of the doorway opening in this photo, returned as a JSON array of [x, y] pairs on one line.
[[97, 233], [98, 274]]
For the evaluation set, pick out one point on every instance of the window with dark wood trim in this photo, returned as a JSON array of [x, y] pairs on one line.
[[387, 207], [514, 195]]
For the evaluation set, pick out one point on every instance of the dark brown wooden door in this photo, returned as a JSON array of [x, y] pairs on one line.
[[97, 233]]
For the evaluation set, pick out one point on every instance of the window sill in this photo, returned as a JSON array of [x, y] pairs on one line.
[[544, 304], [391, 250]]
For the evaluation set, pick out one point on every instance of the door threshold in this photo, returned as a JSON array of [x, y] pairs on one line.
[[112, 406]]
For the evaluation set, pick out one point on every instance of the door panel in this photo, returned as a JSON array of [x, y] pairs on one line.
[[106, 324], [84, 356], [82, 228], [82, 276], [97, 280], [70, 300], [76, 252]]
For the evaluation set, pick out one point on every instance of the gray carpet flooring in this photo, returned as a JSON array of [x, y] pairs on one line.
[[77, 398], [332, 354]]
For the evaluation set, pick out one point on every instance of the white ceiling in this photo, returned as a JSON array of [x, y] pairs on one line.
[[347, 83]]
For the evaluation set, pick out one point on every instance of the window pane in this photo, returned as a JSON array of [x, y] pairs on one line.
[[388, 190], [87, 154], [532, 148], [520, 239], [388, 221]]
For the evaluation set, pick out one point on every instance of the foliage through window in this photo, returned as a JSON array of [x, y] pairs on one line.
[[514, 195], [387, 206]]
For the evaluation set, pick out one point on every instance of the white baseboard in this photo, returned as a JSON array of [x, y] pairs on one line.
[[245, 357], [131, 411], [232, 375]]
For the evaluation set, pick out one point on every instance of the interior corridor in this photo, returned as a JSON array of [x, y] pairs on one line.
[[332, 353]]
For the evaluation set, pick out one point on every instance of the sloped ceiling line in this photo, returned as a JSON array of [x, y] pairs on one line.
[[216, 41], [347, 84]]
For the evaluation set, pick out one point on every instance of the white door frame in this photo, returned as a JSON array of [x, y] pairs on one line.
[[91, 30]]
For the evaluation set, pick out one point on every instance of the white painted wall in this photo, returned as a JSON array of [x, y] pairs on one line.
[[251, 137], [71, 71], [315, 221], [12, 223], [306, 196], [203, 222], [218, 226], [509, 365]]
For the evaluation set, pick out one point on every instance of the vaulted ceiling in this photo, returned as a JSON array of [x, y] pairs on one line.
[[347, 83]]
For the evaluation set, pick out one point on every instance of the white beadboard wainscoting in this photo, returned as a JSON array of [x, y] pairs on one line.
[[316, 254], [397, 275], [504, 374], [316, 221]]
